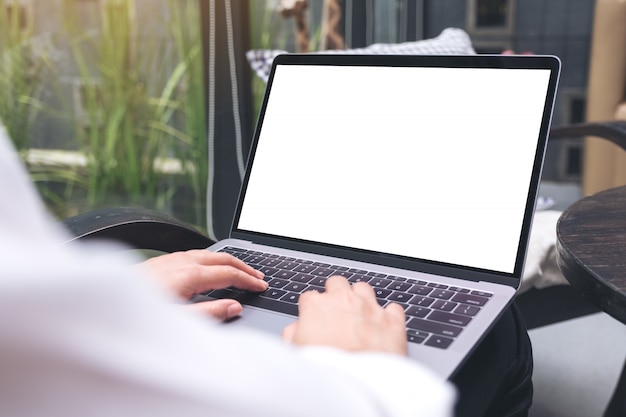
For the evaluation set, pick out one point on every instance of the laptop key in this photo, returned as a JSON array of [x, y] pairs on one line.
[[268, 270], [322, 272], [434, 327], [232, 249], [449, 318], [273, 293], [467, 310], [315, 288], [255, 259], [444, 305], [305, 268], [284, 274], [482, 293], [420, 290], [269, 262], [419, 300], [359, 278], [290, 297], [376, 274], [415, 336], [277, 282], [475, 300], [339, 268], [399, 286], [396, 278], [287, 265], [439, 341], [239, 255], [319, 281], [295, 287], [379, 282], [302, 277], [381, 292], [400, 297], [441, 294], [417, 311]]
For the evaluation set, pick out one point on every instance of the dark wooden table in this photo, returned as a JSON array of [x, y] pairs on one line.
[[591, 253]]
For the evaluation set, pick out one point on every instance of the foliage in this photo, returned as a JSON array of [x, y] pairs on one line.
[[20, 73], [135, 109], [184, 27], [126, 87]]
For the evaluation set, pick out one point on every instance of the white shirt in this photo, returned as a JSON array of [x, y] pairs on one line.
[[83, 335]]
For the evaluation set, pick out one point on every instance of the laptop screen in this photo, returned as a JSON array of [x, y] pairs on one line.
[[423, 162]]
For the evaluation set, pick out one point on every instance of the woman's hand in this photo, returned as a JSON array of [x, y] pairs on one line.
[[348, 317], [186, 274]]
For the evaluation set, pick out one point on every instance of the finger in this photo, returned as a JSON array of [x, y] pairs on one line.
[[206, 257], [219, 309], [396, 311], [288, 332], [364, 290], [396, 323], [223, 276], [337, 283], [308, 302]]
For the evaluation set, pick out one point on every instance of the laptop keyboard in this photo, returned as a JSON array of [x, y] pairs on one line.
[[436, 313]]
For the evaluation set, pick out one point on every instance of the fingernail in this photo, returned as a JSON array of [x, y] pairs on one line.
[[233, 311]]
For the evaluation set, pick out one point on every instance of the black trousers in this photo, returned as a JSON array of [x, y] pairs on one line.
[[496, 380]]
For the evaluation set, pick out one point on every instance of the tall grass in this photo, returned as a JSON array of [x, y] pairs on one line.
[[142, 102], [184, 28], [21, 67]]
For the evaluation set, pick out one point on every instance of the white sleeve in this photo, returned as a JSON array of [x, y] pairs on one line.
[[81, 334]]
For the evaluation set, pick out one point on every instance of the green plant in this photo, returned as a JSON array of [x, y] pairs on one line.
[[133, 114], [21, 70], [184, 27]]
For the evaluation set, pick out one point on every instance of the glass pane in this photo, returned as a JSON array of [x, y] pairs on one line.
[[106, 104], [492, 13], [288, 25]]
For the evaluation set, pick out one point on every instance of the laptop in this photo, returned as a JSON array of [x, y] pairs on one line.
[[416, 174]]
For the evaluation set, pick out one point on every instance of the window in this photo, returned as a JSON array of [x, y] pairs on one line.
[[493, 17], [125, 93], [87, 102], [570, 155]]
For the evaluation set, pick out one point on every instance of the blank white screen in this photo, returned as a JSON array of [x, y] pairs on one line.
[[430, 163]]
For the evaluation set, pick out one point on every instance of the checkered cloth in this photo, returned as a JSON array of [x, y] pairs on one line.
[[451, 41]]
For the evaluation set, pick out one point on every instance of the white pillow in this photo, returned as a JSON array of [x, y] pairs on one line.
[[452, 41]]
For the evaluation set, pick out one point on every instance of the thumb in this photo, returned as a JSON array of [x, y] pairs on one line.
[[219, 309], [288, 332]]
